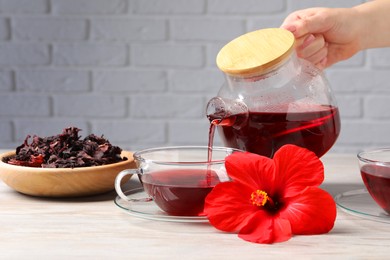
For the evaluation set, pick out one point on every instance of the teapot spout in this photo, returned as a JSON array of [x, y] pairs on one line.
[[227, 112]]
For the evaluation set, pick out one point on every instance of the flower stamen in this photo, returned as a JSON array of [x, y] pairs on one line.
[[259, 198]]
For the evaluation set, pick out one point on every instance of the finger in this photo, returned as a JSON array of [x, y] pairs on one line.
[[291, 19], [312, 20], [307, 40], [295, 23], [302, 42], [311, 46], [322, 64], [319, 57]]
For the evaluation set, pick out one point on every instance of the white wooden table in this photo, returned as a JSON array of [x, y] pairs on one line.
[[95, 228]]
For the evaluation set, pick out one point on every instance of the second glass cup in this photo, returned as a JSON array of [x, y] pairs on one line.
[[375, 172]]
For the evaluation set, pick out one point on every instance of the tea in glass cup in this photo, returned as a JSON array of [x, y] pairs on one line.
[[178, 179], [375, 172]]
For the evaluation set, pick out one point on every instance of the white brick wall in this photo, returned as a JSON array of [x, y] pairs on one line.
[[52, 80], [89, 105], [128, 29], [84, 7], [168, 55], [24, 6], [90, 54], [245, 7], [49, 29], [24, 105], [141, 71], [208, 29], [23, 54], [160, 7]]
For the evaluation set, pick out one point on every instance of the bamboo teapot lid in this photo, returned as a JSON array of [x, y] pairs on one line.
[[255, 52]]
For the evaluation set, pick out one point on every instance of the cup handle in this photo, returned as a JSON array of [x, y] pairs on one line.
[[118, 188]]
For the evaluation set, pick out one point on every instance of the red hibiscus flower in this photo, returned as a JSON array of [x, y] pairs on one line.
[[269, 200]]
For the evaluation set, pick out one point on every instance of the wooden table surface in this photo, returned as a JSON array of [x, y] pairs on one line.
[[95, 228]]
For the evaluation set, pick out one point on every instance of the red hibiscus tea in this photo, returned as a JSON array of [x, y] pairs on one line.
[[377, 181], [180, 192], [265, 132], [177, 179]]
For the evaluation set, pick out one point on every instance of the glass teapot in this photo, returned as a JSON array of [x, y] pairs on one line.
[[271, 97]]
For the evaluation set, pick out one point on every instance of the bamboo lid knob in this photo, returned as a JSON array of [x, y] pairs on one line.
[[255, 52]]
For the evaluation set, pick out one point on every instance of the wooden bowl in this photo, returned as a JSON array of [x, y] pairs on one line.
[[63, 182]]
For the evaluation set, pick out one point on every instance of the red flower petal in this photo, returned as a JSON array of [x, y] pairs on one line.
[[297, 168], [228, 206], [312, 212], [295, 204], [263, 228], [251, 170]]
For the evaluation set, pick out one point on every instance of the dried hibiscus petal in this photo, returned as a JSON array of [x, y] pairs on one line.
[[66, 150]]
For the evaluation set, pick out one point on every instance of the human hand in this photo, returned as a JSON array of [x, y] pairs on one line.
[[324, 36]]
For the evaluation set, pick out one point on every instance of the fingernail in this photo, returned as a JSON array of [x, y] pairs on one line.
[[290, 28], [309, 39], [324, 61]]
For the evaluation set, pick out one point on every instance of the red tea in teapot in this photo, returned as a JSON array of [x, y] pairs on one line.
[[264, 133], [271, 97]]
